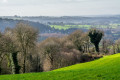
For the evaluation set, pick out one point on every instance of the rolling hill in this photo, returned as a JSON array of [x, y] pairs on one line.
[[66, 25], [106, 68], [43, 28], [12, 23]]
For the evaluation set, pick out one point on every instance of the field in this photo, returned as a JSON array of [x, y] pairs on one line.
[[106, 68], [65, 27]]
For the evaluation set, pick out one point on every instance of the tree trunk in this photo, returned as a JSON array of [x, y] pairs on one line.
[[97, 47], [24, 63], [114, 51], [0, 70], [14, 63], [88, 49]]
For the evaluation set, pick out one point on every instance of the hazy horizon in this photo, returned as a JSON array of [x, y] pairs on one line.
[[59, 7]]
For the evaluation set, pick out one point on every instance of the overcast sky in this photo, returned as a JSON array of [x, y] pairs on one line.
[[59, 7]]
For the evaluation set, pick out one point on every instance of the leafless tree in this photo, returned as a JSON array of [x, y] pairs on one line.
[[26, 37]]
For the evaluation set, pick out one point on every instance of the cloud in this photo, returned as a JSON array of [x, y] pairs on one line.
[[59, 7], [5, 1]]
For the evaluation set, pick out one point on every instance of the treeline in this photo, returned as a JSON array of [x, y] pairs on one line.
[[20, 51], [98, 20]]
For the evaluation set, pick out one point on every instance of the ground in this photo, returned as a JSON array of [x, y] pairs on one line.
[[106, 68]]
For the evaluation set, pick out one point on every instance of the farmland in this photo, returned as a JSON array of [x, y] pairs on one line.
[[65, 27]]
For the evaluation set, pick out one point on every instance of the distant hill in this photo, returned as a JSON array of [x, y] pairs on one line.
[[12, 23], [76, 20], [96, 20], [66, 24], [106, 68], [4, 23], [43, 28]]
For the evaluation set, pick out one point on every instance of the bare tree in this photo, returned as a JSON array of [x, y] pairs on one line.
[[9, 48], [77, 39], [117, 43], [49, 48], [26, 37], [106, 43]]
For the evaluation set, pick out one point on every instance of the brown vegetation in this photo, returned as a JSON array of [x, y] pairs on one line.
[[21, 53]]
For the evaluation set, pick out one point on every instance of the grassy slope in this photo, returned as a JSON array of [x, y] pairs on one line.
[[106, 68]]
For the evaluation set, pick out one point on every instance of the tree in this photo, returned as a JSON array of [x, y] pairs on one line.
[[1, 54], [49, 48], [117, 43], [77, 39], [106, 43], [9, 48], [26, 38], [95, 37]]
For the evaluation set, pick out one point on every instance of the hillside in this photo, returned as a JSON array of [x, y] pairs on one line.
[[43, 29], [106, 68], [67, 24], [101, 19], [12, 23]]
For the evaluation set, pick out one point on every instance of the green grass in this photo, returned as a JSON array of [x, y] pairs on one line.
[[65, 27], [106, 68]]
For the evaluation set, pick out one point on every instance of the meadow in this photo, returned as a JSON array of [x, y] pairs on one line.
[[106, 68], [65, 27]]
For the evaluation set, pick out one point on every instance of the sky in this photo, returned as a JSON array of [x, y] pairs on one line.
[[59, 7]]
